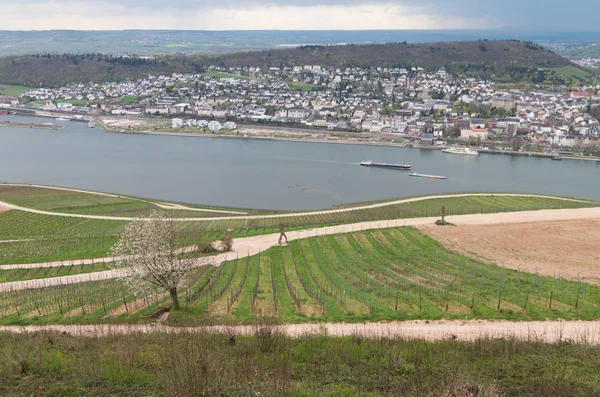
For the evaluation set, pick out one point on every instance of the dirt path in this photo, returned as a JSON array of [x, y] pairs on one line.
[[569, 249], [274, 216], [167, 206], [546, 331], [246, 246]]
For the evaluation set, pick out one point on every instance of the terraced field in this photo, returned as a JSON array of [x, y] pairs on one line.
[[27, 237], [387, 274], [90, 203]]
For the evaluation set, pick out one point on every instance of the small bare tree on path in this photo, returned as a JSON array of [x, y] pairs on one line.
[[149, 256]]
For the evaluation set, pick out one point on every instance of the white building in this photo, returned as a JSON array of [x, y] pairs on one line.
[[214, 126], [475, 133]]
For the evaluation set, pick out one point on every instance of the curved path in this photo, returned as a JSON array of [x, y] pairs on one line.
[[587, 332], [246, 246], [166, 206], [274, 216]]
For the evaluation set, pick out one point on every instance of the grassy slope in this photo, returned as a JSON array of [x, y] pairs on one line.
[[504, 60], [13, 90], [52, 364], [65, 201], [571, 71], [51, 238], [390, 274]]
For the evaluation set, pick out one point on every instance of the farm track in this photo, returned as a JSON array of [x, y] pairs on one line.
[[586, 332], [163, 205], [249, 246], [298, 214]]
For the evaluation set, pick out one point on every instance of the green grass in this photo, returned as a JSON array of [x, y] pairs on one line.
[[267, 363], [67, 238], [48, 272], [378, 275], [128, 100], [74, 102], [296, 86], [71, 202], [13, 90], [571, 72]]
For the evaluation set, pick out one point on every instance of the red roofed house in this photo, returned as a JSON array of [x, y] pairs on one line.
[[582, 94]]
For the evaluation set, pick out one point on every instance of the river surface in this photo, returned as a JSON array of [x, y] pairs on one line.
[[266, 174]]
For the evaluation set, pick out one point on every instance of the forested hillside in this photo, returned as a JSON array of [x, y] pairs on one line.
[[504, 61]]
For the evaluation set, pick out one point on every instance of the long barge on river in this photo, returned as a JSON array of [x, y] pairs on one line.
[[386, 165], [427, 176]]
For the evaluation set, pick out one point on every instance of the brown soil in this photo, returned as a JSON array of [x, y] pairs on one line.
[[2, 208], [570, 249]]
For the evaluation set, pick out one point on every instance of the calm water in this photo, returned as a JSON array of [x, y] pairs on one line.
[[259, 174]]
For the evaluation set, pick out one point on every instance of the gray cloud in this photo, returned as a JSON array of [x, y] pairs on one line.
[[549, 14]]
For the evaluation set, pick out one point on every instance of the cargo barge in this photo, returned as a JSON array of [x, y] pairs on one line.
[[427, 176], [386, 165]]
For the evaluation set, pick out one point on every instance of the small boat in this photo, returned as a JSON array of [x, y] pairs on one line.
[[557, 157], [91, 124], [460, 150], [61, 119], [386, 165], [427, 176]]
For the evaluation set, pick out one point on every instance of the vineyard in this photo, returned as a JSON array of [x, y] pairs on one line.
[[29, 238], [76, 202], [387, 274], [47, 272]]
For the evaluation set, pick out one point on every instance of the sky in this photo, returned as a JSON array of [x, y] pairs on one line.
[[297, 14]]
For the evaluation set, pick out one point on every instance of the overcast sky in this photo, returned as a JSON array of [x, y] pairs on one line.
[[297, 14]]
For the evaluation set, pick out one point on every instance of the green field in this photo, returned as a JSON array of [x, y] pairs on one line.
[[301, 87], [267, 363], [128, 100], [13, 90], [572, 72], [388, 274], [49, 238], [72, 202]]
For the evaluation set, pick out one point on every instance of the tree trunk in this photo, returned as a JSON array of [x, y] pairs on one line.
[[174, 298]]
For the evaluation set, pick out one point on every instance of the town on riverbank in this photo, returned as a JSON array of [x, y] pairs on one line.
[[369, 105]]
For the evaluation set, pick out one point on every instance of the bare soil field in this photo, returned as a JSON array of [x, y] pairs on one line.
[[569, 248]]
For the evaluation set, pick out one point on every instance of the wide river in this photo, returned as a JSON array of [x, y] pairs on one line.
[[266, 174]]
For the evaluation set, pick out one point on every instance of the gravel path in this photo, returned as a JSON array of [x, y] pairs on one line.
[[166, 206], [544, 331], [243, 247]]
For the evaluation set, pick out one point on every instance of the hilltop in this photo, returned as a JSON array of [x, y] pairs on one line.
[[503, 61]]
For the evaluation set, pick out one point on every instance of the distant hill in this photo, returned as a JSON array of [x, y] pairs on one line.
[[504, 61]]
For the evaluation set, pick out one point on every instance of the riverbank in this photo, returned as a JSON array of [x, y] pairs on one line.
[[262, 133], [274, 133], [31, 125]]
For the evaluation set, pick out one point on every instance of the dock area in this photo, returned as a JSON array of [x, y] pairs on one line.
[[31, 125]]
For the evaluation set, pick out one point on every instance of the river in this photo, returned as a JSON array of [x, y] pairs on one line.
[[266, 174]]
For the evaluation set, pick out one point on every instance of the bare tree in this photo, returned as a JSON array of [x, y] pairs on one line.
[[151, 255]]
